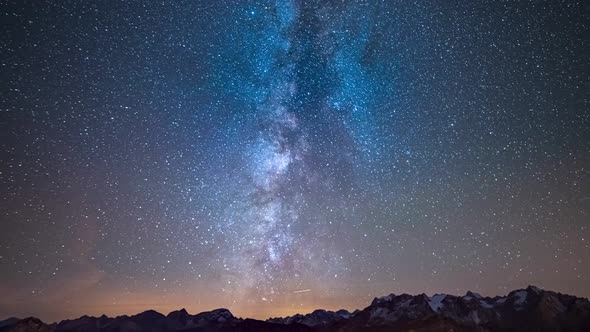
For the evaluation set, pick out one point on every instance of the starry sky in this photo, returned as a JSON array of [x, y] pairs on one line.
[[274, 157]]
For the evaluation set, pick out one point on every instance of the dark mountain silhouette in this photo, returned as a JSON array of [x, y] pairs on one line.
[[530, 309]]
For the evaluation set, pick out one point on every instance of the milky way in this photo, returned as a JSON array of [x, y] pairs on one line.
[[263, 226], [274, 157]]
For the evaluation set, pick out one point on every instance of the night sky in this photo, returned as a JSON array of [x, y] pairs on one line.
[[277, 157]]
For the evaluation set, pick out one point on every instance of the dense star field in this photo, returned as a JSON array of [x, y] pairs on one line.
[[277, 157]]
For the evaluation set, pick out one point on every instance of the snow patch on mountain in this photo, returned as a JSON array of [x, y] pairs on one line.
[[486, 305], [436, 302], [520, 297]]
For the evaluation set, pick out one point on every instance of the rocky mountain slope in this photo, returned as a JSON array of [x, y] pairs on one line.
[[530, 309]]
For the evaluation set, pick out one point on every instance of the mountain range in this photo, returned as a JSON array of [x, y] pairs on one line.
[[530, 309]]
